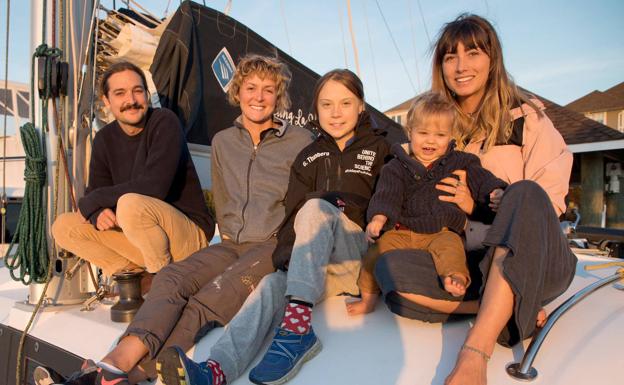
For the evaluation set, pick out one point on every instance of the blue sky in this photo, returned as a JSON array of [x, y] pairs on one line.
[[560, 50]]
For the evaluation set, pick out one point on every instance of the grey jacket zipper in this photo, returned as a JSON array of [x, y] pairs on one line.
[[251, 160]]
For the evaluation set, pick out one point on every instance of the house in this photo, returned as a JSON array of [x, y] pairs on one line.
[[596, 148], [606, 107]]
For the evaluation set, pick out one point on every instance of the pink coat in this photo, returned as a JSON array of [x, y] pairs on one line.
[[543, 156]]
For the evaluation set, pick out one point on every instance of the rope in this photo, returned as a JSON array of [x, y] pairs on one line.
[[3, 198], [20, 349], [605, 265], [31, 259]]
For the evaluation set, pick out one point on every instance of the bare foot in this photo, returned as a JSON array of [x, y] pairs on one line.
[[362, 306], [470, 369], [455, 284], [541, 318]]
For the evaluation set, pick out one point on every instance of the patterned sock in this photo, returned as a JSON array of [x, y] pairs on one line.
[[297, 317], [218, 377]]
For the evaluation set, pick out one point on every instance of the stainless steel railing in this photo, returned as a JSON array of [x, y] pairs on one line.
[[524, 370]]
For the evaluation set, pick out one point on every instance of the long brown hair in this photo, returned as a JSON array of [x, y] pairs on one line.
[[492, 118]]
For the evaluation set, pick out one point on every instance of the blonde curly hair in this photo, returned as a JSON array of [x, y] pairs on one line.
[[264, 67]]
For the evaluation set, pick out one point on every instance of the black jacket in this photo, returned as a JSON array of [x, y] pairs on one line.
[[346, 179], [406, 192]]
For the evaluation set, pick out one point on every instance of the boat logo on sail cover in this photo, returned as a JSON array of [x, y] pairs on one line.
[[223, 68]]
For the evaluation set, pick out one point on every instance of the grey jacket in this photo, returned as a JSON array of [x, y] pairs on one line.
[[249, 184]]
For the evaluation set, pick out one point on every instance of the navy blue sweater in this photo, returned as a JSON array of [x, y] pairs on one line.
[[156, 162], [406, 192]]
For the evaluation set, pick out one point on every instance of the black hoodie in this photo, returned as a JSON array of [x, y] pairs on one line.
[[345, 178]]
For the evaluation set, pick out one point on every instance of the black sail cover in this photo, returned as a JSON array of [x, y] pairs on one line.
[[195, 61]]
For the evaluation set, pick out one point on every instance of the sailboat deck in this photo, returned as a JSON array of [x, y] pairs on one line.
[[584, 347]]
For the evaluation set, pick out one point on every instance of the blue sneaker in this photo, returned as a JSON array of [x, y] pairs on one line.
[[287, 353], [175, 368]]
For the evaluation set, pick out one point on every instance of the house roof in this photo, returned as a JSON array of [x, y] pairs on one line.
[[596, 101], [573, 126], [576, 128], [403, 106]]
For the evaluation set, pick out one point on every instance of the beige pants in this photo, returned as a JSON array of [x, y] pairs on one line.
[[446, 248], [151, 234]]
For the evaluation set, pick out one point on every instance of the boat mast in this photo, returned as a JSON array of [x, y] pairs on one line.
[[355, 50]]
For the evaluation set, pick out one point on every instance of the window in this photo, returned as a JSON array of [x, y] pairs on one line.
[[620, 125], [600, 117]]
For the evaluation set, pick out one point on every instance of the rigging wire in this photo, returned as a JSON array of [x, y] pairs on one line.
[[413, 28], [396, 47], [154, 18], [370, 45], [3, 198], [290, 51], [422, 16], [354, 45], [344, 44], [94, 72], [228, 8]]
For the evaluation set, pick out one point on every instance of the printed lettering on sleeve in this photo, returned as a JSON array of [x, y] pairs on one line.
[[314, 157]]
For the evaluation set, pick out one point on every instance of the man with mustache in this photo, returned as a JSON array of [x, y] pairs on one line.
[[143, 206]]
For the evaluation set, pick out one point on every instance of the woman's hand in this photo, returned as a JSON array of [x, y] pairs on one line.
[[495, 197], [374, 227], [460, 193]]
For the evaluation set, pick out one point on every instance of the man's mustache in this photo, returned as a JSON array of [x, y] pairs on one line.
[[135, 106]]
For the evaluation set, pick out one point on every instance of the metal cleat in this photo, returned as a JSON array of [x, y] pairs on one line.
[[95, 299], [69, 274]]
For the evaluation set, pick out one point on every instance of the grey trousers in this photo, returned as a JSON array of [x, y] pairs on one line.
[[191, 297], [325, 261], [539, 266]]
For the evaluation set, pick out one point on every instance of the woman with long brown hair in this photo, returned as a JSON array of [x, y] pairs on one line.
[[521, 261]]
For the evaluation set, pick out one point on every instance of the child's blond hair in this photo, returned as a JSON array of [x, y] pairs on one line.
[[427, 104]]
